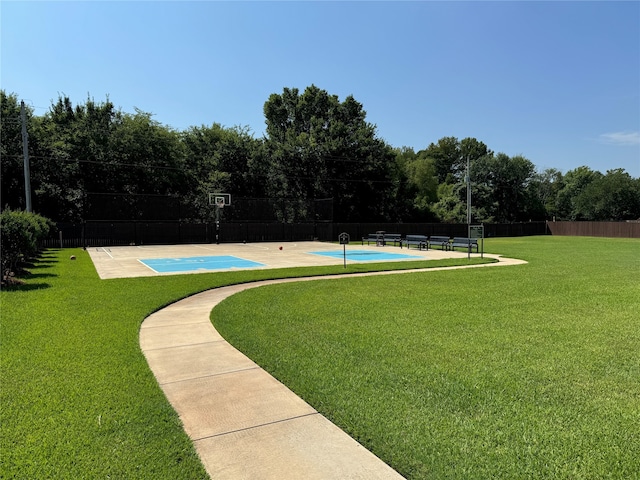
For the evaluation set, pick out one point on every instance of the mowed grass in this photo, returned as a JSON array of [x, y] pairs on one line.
[[77, 398], [529, 371]]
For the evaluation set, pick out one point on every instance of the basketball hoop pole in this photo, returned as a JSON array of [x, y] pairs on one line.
[[217, 224], [219, 200]]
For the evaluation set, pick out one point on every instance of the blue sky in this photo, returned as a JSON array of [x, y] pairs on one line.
[[557, 82]]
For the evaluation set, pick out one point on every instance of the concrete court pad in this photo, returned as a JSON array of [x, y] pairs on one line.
[[122, 262]]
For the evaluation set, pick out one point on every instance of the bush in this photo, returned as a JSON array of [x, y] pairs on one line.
[[20, 234]]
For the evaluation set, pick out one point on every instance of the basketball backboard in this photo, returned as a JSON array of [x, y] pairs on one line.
[[219, 199]]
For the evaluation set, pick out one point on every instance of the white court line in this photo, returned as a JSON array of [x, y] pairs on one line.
[[105, 251], [287, 244], [148, 266], [209, 249], [254, 246]]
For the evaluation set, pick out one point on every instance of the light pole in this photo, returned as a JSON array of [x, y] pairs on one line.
[[469, 204], [468, 191], [25, 153]]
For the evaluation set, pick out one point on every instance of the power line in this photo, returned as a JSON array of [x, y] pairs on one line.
[[13, 121], [97, 162], [161, 167]]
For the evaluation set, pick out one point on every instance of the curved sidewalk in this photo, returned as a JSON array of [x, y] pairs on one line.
[[244, 423]]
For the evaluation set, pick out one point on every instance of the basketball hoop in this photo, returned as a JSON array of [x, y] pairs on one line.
[[220, 200]]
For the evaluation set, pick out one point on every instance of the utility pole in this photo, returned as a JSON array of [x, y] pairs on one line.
[[25, 151], [469, 203], [468, 191]]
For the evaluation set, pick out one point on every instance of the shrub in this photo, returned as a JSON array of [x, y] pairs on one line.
[[20, 234]]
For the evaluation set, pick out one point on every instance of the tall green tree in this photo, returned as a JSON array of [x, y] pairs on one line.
[[543, 189], [220, 160], [403, 191], [153, 154], [451, 206], [501, 187], [613, 196], [151, 164], [417, 174], [575, 181], [471, 150], [92, 160], [450, 156], [57, 176], [446, 158], [319, 147]]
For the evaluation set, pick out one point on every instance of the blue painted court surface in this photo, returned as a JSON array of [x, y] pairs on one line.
[[195, 264], [366, 255]]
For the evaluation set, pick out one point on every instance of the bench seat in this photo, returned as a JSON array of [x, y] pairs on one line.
[[381, 239], [441, 241], [463, 242], [421, 241], [394, 238], [372, 237]]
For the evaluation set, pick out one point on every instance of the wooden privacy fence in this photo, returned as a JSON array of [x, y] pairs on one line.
[[596, 229]]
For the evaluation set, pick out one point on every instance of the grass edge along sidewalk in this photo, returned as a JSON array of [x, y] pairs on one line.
[[78, 399]]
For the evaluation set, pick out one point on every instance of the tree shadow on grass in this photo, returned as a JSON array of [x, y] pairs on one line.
[[49, 254], [36, 263], [46, 258], [25, 287], [39, 275], [42, 264], [21, 281]]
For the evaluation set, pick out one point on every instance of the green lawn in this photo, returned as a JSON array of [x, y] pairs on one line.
[[77, 399], [524, 371], [528, 371]]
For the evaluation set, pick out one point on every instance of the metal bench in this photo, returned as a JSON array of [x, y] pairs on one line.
[[381, 239], [421, 241], [394, 238], [441, 241], [466, 243], [372, 237]]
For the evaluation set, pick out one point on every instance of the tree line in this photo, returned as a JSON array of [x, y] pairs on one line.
[[314, 147]]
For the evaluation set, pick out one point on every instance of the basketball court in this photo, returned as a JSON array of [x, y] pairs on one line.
[[154, 260]]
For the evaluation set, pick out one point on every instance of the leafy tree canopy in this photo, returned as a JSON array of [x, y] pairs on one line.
[[319, 147], [92, 160]]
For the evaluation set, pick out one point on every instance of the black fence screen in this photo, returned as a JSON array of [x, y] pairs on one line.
[[153, 208], [113, 233], [101, 206], [283, 210]]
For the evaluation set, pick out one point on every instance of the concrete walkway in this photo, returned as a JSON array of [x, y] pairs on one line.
[[243, 422]]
